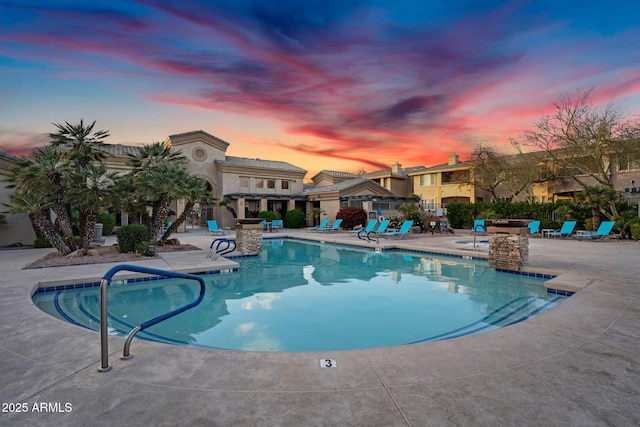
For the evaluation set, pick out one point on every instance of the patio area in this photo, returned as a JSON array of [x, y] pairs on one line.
[[577, 364]]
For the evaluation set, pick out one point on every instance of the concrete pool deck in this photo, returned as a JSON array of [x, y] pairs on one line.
[[577, 364]]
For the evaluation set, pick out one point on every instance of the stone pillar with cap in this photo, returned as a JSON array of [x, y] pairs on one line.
[[508, 244]]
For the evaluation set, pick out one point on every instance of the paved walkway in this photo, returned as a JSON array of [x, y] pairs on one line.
[[575, 365]]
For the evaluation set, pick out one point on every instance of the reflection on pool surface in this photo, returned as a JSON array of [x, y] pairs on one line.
[[302, 296]]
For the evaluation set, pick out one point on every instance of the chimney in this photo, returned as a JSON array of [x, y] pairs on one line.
[[454, 159], [396, 168]]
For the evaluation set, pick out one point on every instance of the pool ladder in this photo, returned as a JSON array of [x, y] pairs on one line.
[[104, 284], [216, 252]]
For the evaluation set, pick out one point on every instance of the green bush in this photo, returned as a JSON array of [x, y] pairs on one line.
[[42, 242], [108, 221], [133, 238], [634, 226], [294, 219], [461, 215], [267, 215], [351, 217]]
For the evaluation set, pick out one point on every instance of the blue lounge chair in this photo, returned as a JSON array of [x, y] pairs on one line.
[[534, 227], [333, 227], [373, 234], [276, 225], [213, 227], [479, 227], [565, 231], [403, 231], [370, 226], [316, 227], [603, 231]]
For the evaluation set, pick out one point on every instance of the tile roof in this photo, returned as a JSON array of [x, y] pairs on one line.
[[443, 167], [336, 174], [260, 164], [342, 185], [120, 150]]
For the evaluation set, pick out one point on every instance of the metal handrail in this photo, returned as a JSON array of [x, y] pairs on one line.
[[219, 252], [104, 283]]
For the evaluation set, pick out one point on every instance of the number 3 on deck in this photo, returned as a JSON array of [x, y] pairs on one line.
[[328, 363]]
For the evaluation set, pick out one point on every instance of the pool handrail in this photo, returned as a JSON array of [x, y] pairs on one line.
[[104, 284], [218, 251]]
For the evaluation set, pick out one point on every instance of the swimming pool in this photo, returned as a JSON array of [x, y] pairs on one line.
[[308, 296]]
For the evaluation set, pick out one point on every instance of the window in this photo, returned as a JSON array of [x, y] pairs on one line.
[[625, 163], [259, 183], [428, 179], [285, 185], [271, 183], [244, 182], [456, 177], [428, 204]]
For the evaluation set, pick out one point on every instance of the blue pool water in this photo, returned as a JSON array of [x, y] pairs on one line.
[[303, 296]]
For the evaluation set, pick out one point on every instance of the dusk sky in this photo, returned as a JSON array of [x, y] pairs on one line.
[[340, 85]]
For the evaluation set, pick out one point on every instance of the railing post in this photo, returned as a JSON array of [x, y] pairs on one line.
[[104, 331]]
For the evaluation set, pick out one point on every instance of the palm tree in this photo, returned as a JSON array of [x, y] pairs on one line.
[[226, 203], [598, 196], [46, 173], [81, 143], [91, 192], [196, 191], [165, 182], [150, 155], [37, 207]]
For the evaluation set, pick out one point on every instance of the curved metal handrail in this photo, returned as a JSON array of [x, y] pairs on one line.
[[219, 252], [104, 283]]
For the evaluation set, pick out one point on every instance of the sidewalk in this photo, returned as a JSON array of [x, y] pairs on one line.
[[577, 364]]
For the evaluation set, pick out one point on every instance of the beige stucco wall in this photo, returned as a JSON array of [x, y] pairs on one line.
[[18, 228]]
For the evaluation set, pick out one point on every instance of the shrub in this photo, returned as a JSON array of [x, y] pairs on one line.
[[108, 221], [294, 219], [42, 242], [268, 215], [634, 226], [351, 217], [133, 238]]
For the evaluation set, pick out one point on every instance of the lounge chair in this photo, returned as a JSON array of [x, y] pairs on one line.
[[534, 227], [403, 231], [370, 226], [213, 227], [479, 227], [603, 231], [565, 231], [276, 225], [316, 227], [333, 227], [373, 234]]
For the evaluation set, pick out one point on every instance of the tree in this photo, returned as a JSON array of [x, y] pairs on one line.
[[90, 192], [37, 207], [81, 143], [159, 176], [583, 142], [45, 173], [597, 196], [505, 176], [226, 203], [68, 175], [196, 191]]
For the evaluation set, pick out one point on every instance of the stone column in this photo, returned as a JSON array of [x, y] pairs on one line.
[[508, 244], [249, 238]]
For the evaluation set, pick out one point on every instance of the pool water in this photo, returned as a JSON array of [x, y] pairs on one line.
[[304, 296]]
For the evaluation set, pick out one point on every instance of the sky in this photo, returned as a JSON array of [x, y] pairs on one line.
[[328, 84]]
